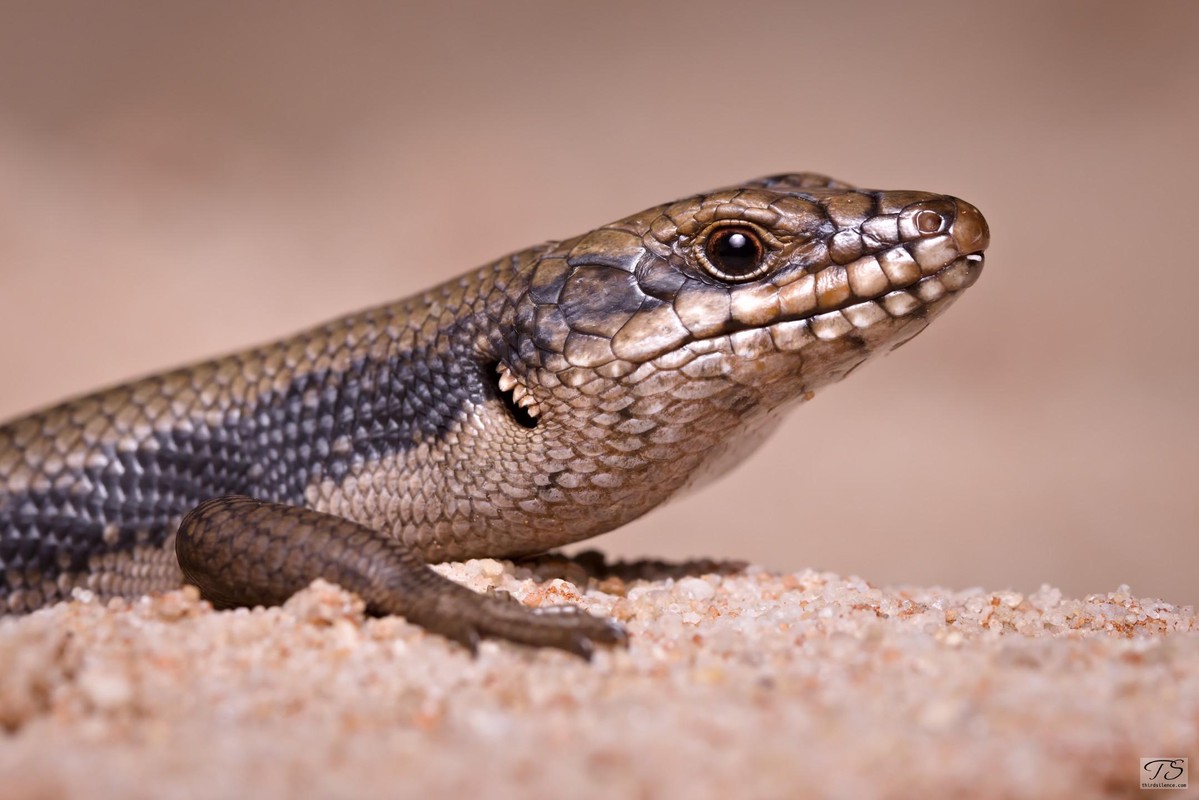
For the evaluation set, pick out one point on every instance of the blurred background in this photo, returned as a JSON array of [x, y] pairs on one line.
[[178, 180]]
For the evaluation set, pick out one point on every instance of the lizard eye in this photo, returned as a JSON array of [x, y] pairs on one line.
[[734, 253]]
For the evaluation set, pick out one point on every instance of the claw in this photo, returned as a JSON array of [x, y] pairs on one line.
[[620, 636], [472, 642], [582, 646], [469, 638]]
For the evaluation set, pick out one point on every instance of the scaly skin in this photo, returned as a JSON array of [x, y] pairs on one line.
[[548, 397]]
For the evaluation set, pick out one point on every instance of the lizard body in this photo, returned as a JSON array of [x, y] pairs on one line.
[[545, 398]]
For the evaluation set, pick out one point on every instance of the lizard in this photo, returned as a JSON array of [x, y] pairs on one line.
[[547, 397]]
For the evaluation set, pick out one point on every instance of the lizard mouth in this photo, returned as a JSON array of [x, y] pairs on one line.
[[959, 274], [915, 300], [882, 322], [853, 313]]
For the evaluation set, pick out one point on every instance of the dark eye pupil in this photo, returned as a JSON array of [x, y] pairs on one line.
[[735, 252]]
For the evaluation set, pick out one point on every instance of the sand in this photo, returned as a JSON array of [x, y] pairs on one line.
[[737, 683]]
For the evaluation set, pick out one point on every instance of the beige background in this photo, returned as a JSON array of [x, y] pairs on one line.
[[179, 180]]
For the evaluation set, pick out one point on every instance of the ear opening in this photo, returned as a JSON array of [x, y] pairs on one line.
[[515, 395]]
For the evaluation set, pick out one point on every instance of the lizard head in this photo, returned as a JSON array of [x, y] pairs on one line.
[[777, 286]]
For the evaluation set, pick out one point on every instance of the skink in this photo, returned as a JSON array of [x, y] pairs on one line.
[[548, 397]]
